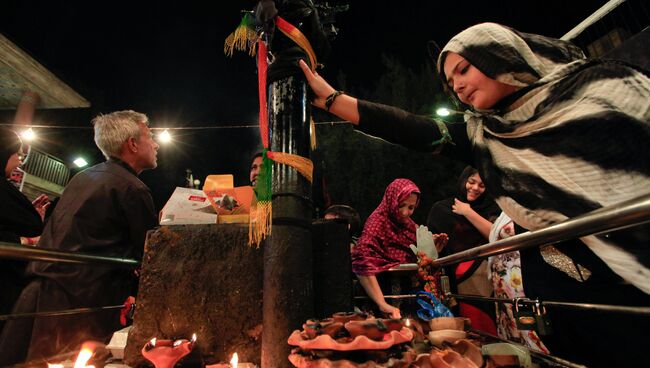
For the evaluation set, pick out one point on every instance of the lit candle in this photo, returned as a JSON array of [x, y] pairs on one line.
[[234, 360]]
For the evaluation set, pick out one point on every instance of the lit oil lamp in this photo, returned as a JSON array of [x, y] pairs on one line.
[[84, 356], [234, 363], [166, 353]]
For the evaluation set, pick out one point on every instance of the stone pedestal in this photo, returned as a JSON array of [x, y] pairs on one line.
[[201, 279]]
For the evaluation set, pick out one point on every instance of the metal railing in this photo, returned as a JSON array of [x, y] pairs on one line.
[[20, 252], [46, 167], [626, 214]]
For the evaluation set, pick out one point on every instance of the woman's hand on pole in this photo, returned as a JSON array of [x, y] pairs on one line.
[[321, 88]]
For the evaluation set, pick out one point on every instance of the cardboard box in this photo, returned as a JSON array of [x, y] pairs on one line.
[[227, 200], [188, 206], [233, 219]]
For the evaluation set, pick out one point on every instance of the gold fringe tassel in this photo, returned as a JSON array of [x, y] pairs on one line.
[[303, 165], [242, 39], [259, 226], [312, 136]]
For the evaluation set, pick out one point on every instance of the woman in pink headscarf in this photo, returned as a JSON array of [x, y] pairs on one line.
[[385, 240]]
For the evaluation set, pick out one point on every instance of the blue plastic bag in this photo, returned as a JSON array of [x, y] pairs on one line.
[[431, 307]]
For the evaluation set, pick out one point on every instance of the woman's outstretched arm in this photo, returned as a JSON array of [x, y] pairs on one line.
[[344, 106], [371, 286]]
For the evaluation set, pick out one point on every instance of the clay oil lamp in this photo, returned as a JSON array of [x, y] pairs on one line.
[[166, 353]]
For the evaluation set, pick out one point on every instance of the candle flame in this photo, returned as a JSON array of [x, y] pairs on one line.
[[152, 342], [83, 357], [408, 323], [234, 360], [193, 339]]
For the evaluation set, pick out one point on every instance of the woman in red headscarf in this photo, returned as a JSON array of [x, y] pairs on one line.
[[385, 240]]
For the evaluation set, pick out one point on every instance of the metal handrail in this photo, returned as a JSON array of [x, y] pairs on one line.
[[563, 305], [626, 214], [16, 251], [66, 312]]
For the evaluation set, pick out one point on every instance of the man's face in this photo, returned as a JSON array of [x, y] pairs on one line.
[[255, 170], [147, 149]]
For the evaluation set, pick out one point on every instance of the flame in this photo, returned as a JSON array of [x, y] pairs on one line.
[[83, 357], [408, 322], [234, 360]]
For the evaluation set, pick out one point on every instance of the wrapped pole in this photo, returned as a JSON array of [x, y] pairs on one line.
[[288, 299]]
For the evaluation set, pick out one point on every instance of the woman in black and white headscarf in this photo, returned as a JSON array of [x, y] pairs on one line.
[[554, 136]]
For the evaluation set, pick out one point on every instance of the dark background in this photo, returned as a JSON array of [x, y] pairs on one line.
[[167, 60]]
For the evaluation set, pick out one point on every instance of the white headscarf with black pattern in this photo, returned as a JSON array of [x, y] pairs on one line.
[[573, 139]]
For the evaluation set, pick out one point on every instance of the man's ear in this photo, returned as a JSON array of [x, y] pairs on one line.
[[132, 144]]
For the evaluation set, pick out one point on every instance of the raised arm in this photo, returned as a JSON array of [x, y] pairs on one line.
[[395, 125], [343, 106]]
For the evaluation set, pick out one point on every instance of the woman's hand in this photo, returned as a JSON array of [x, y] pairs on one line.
[[321, 88], [440, 241], [390, 310], [41, 204], [461, 208]]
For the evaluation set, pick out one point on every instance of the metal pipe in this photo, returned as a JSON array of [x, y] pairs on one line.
[[399, 296], [625, 214], [15, 251], [562, 305], [66, 312], [593, 18], [547, 357]]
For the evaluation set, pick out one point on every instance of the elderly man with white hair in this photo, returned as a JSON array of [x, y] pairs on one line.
[[105, 211]]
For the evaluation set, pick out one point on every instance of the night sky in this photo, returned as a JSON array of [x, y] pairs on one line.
[[166, 59]]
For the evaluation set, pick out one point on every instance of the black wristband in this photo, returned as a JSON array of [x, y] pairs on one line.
[[330, 99]]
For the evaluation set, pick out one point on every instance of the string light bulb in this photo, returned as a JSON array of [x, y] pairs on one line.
[[165, 136], [80, 162], [443, 111], [28, 135]]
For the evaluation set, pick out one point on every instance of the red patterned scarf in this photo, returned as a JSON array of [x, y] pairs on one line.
[[386, 235]]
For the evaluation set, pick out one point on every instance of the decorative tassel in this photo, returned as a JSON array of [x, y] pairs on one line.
[[261, 212], [243, 38], [259, 226], [312, 135], [299, 38], [303, 165], [260, 223]]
